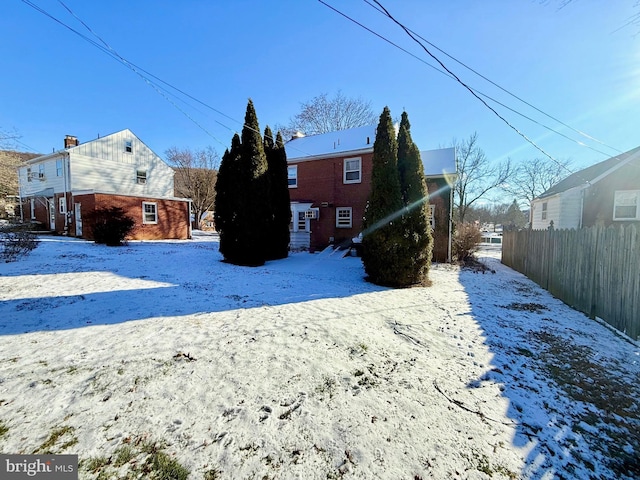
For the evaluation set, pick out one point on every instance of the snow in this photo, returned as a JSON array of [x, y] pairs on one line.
[[333, 143], [301, 369]]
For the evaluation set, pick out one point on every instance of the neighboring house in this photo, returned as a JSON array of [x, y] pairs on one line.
[[62, 189], [330, 182], [605, 193]]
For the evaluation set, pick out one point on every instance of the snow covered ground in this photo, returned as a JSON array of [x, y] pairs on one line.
[[301, 369]]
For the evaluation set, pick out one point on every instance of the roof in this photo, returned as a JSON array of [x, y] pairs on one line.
[[439, 162], [593, 173], [340, 142]]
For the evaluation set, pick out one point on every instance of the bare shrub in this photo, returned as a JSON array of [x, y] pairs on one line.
[[16, 241], [111, 226], [466, 241]]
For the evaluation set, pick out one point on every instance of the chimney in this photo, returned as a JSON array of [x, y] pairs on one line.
[[70, 141]]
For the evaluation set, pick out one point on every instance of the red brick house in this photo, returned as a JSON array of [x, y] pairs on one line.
[[61, 190], [330, 181]]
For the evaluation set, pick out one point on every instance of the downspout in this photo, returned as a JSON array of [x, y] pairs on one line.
[[581, 208], [449, 245], [67, 215], [190, 228]]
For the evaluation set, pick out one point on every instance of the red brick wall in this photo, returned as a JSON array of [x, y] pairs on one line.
[[173, 216], [321, 181]]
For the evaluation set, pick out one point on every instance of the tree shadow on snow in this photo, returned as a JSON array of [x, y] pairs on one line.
[[75, 284], [573, 415]]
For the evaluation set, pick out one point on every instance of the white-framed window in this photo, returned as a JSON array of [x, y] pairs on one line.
[[62, 206], [626, 205], [41, 171], [128, 146], [344, 217], [432, 216], [149, 212], [59, 167], [544, 211], [29, 174], [352, 170], [292, 176], [141, 177]]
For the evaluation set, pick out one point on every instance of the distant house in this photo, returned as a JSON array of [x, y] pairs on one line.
[[62, 189], [330, 182], [606, 193]]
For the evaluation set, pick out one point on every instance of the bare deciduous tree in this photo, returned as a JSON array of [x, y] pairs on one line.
[[195, 178], [533, 177], [323, 114], [477, 175]]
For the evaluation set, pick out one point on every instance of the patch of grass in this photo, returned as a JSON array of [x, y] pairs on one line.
[[327, 386], [3, 429], [55, 436], [163, 467], [124, 455], [155, 463], [72, 369]]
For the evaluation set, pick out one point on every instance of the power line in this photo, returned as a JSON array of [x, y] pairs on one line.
[[540, 124], [105, 48], [379, 9]]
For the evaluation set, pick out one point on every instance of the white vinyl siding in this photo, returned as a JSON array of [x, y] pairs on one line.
[[344, 217], [149, 213], [626, 205], [352, 170], [35, 183]]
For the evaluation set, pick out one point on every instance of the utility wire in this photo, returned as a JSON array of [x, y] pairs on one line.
[[379, 9], [550, 129], [112, 53]]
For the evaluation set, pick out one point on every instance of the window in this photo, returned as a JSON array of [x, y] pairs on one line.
[[432, 216], [352, 170], [625, 205], [544, 211], [128, 146], [62, 206], [41, 171], [141, 177], [29, 174], [149, 212], [343, 217], [292, 173], [59, 167]]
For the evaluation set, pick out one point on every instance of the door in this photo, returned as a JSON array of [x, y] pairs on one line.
[[52, 214], [76, 212]]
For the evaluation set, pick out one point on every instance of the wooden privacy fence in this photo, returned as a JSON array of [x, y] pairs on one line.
[[595, 270]]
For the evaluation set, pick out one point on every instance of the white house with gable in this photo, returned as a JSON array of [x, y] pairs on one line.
[[62, 189]]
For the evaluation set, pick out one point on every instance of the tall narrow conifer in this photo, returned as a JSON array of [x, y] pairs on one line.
[[277, 239], [416, 227], [382, 237]]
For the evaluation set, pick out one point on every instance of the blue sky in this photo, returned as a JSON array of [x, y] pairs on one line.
[[574, 63]]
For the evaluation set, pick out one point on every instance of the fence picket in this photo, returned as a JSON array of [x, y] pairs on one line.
[[595, 270]]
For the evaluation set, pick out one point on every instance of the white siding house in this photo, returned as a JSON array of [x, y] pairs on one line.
[[61, 188]]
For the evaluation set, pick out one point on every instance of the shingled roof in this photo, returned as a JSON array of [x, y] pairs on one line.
[[589, 174]]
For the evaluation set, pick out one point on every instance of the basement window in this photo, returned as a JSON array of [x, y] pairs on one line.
[[149, 213]]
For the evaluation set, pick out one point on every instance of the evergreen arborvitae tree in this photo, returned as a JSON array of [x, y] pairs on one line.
[[277, 236], [416, 228], [253, 189], [227, 203], [382, 249], [242, 196]]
